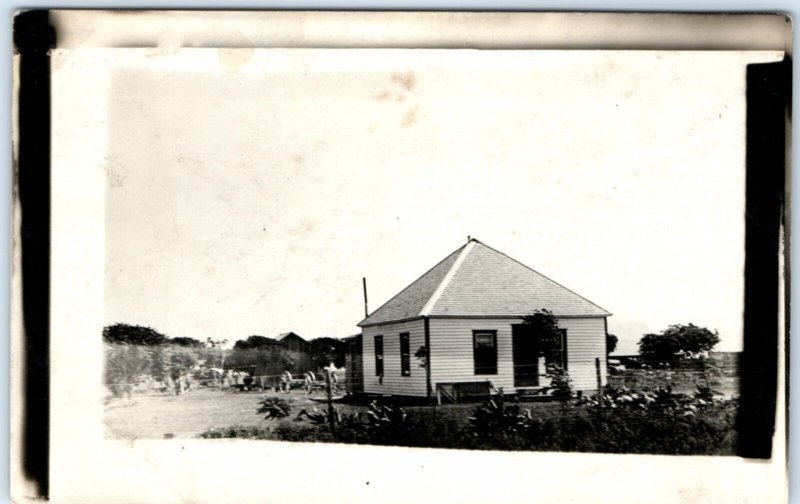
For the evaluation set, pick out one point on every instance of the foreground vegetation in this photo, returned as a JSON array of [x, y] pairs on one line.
[[656, 422]]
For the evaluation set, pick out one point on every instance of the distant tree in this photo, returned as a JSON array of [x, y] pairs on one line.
[[262, 355], [159, 364], [180, 359], [255, 341], [125, 363], [325, 350], [186, 342], [677, 341], [544, 326], [132, 335], [611, 343]]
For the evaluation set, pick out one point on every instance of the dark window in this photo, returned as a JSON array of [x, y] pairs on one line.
[[378, 355], [485, 345], [558, 356], [405, 357]]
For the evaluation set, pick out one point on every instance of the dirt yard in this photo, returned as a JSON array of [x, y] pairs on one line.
[[154, 415]]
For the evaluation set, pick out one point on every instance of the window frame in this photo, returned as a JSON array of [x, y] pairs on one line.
[[564, 364], [484, 370], [378, 354], [405, 356]]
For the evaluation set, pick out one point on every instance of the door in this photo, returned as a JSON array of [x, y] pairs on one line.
[[525, 355], [354, 383]]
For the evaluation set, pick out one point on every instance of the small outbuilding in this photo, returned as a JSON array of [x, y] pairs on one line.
[[298, 346], [460, 324]]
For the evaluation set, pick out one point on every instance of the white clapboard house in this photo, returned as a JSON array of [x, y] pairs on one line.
[[467, 310]]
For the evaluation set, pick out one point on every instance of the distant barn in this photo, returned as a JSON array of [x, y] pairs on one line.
[[467, 310], [299, 347]]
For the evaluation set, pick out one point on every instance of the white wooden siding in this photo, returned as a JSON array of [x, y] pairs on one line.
[[586, 341], [393, 382], [452, 357]]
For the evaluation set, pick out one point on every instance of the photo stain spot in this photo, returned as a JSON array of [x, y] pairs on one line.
[[406, 80], [410, 119], [233, 59]]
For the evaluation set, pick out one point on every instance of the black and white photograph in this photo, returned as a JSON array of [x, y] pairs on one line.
[[251, 221], [462, 252]]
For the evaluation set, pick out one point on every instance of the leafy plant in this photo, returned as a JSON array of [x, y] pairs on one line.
[[560, 382], [384, 416], [495, 416], [544, 326], [611, 343], [315, 416], [274, 407], [325, 350], [422, 356]]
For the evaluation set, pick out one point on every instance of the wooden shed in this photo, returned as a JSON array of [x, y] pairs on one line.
[[298, 346], [467, 310]]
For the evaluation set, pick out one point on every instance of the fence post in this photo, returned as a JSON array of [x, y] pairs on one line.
[[331, 416], [599, 383]]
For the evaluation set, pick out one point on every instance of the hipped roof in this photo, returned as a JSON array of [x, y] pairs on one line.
[[477, 280]]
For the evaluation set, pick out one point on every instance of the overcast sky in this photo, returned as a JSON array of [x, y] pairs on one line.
[[249, 193]]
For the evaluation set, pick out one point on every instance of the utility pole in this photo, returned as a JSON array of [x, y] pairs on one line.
[[366, 309]]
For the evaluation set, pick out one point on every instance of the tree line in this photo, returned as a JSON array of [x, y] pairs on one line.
[[134, 352], [676, 342]]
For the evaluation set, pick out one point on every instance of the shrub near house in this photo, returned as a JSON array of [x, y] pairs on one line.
[[629, 421]]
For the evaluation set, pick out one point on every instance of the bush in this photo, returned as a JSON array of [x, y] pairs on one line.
[[631, 421], [560, 382], [382, 424], [274, 407], [237, 431], [385, 416], [496, 417], [288, 430], [315, 416]]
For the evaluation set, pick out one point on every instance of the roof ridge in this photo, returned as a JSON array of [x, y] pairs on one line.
[[411, 284], [543, 275], [465, 250]]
